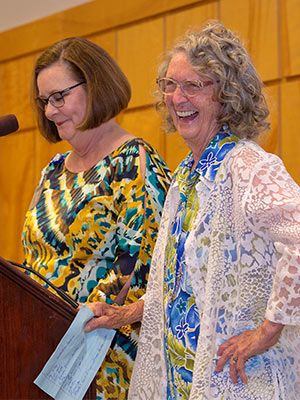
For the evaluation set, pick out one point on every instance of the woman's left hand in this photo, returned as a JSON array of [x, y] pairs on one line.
[[241, 347]]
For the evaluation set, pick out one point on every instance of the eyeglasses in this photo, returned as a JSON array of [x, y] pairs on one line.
[[56, 99], [189, 88]]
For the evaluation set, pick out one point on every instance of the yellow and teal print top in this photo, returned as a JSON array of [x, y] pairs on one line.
[[88, 232]]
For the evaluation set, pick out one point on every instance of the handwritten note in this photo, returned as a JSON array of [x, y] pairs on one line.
[[76, 360]]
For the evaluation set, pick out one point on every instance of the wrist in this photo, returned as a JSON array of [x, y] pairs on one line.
[[133, 312], [271, 330]]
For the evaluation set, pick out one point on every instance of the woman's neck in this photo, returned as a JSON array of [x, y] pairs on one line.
[[95, 145], [198, 148]]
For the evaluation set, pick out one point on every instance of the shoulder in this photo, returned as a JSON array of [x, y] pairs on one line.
[[248, 154], [56, 164], [249, 167], [132, 149], [148, 156], [127, 158]]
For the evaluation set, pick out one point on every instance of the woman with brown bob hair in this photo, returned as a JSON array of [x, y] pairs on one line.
[[107, 88], [93, 220]]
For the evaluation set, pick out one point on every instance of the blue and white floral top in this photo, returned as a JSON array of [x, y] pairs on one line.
[[182, 316]]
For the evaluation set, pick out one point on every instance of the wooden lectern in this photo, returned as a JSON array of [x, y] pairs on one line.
[[32, 323]]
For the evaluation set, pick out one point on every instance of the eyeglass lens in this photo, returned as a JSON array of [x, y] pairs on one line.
[[190, 88], [56, 99]]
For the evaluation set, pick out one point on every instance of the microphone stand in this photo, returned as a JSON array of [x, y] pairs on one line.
[[60, 292]]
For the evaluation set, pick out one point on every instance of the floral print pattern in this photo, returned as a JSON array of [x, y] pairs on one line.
[[182, 316]]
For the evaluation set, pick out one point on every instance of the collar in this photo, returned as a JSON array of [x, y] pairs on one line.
[[212, 157]]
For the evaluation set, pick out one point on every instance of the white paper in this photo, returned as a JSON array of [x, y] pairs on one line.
[[70, 370]]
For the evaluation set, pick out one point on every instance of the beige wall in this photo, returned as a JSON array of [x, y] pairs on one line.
[[135, 33]]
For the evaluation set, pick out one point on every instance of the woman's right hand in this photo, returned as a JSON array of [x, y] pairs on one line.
[[239, 348], [113, 317]]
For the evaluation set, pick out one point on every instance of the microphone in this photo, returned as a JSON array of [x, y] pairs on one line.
[[8, 124]]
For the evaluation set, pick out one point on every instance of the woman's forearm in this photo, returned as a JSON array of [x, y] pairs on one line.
[[133, 312]]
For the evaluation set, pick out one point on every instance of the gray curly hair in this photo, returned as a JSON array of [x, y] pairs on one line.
[[217, 53]]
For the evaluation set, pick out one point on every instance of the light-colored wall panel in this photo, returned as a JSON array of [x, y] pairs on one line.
[[86, 19], [176, 150], [191, 19], [139, 47], [17, 158], [105, 40], [15, 79], [144, 123], [256, 21], [290, 94], [270, 139], [290, 12]]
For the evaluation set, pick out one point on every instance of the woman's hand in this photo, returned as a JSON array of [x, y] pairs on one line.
[[113, 317], [241, 347]]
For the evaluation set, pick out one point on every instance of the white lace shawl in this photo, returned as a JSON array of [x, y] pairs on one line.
[[252, 209]]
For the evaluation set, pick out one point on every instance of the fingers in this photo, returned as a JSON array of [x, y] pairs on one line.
[[225, 351], [242, 373], [241, 347], [92, 324], [229, 351], [98, 308], [100, 319], [224, 346], [232, 368], [221, 362], [105, 316], [237, 368]]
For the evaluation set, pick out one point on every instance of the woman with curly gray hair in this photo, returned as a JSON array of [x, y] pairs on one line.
[[221, 61], [221, 313]]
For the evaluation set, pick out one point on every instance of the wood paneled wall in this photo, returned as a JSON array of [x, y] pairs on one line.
[[136, 33]]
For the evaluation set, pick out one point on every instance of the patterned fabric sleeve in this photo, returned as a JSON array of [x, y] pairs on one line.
[[272, 202], [140, 207]]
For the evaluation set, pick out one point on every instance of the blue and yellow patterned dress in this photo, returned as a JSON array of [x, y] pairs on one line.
[[87, 232]]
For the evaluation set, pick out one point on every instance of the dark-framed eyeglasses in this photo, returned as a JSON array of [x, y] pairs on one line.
[[168, 86], [56, 99]]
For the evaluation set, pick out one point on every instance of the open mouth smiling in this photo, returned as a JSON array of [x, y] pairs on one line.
[[186, 114]]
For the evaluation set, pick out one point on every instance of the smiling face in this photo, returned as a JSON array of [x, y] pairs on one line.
[[55, 78], [195, 118]]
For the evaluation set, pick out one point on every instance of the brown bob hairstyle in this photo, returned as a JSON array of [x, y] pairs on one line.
[[108, 90]]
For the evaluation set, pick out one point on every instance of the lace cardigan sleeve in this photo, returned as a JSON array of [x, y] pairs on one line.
[[271, 203]]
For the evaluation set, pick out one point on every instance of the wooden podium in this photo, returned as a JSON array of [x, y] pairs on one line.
[[32, 323]]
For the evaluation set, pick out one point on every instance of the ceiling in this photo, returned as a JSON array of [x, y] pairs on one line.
[[14, 13]]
